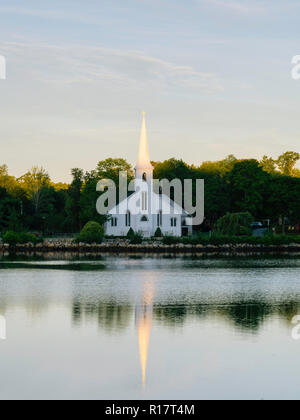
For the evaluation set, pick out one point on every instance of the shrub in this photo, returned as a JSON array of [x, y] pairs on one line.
[[171, 240], [28, 237], [235, 224], [130, 234], [158, 233], [136, 239], [92, 232], [12, 238]]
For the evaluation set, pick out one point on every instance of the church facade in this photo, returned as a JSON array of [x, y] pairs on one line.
[[144, 210]]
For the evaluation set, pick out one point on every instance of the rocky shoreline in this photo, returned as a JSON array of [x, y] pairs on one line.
[[123, 246]]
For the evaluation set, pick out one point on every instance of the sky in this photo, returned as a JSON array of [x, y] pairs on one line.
[[213, 76]]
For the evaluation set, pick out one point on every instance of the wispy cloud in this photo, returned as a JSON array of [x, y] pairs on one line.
[[49, 14], [121, 68], [245, 7]]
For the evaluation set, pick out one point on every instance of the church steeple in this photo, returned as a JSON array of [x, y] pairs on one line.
[[143, 164]]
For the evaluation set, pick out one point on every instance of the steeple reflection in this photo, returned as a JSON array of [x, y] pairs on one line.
[[143, 320]]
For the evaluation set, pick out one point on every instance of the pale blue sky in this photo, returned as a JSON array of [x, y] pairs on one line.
[[214, 77]]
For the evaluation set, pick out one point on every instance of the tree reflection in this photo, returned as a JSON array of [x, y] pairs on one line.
[[248, 316], [110, 315]]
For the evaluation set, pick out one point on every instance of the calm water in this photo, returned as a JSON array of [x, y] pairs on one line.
[[157, 328]]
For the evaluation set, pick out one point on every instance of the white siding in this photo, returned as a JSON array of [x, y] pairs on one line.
[[147, 228]]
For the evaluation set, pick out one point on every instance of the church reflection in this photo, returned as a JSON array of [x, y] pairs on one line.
[[143, 320]]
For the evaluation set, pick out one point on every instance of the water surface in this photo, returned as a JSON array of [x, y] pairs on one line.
[[157, 328]]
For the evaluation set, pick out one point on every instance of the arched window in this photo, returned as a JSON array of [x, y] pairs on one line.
[[144, 219], [128, 219], [144, 176]]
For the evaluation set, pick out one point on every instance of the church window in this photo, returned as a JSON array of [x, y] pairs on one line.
[[173, 221], [159, 218], [114, 221], [144, 200], [144, 176], [128, 219], [144, 219]]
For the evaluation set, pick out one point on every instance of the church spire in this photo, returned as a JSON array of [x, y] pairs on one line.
[[143, 158]]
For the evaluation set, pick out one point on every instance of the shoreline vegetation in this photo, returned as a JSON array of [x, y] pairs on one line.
[[233, 235], [36, 214], [268, 189]]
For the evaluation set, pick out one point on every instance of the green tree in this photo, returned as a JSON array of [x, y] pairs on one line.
[[268, 165], [287, 161], [88, 200], [8, 182], [171, 169], [73, 201], [247, 184], [34, 183], [235, 224], [221, 167], [10, 212], [110, 169]]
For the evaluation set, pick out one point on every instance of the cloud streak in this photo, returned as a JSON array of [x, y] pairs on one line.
[[241, 6], [122, 68], [45, 14]]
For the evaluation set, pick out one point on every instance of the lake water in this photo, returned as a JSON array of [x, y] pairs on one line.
[[149, 328]]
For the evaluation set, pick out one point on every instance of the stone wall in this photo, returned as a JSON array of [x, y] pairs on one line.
[[123, 245]]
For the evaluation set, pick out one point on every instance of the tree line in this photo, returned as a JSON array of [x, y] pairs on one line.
[[268, 189]]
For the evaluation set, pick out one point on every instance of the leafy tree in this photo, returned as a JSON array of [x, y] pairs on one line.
[[287, 161], [88, 200], [283, 199], [73, 201], [171, 169], [235, 224], [110, 169], [8, 182], [268, 165], [10, 211], [34, 183], [217, 199], [60, 186], [221, 167], [54, 211], [247, 183]]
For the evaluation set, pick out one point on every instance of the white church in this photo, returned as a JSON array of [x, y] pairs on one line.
[[149, 207]]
